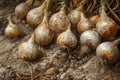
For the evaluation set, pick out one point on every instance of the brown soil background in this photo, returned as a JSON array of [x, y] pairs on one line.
[[56, 64]]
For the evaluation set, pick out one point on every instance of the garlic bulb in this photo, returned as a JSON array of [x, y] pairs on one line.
[[59, 21], [108, 50], [67, 39], [12, 30], [43, 34], [89, 40], [74, 15], [35, 16], [29, 50], [22, 9], [84, 24], [106, 27], [94, 19]]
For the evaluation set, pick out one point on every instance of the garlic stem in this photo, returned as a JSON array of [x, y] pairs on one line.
[[83, 16], [43, 4], [33, 2], [32, 39], [48, 4], [113, 13], [9, 19], [81, 6], [116, 42], [63, 10], [69, 27], [45, 19], [64, 3], [93, 6], [103, 8], [102, 2], [30, 2], [85, 1]]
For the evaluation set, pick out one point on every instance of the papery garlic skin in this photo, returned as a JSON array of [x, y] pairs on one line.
[[106, 27], [22, 9], [94, 19], [74, 16], [59, 21], [12, 30], [90, 38], [29, 50], [84, 24], [43, 35], [35, 16], [67, 39], [108, 51]]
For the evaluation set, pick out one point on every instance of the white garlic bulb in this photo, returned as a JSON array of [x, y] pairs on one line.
[[29, 50], [67, 39], [12, 30], [59, 21]]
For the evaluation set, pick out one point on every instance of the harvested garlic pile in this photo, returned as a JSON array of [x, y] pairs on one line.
[[92, 29]]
